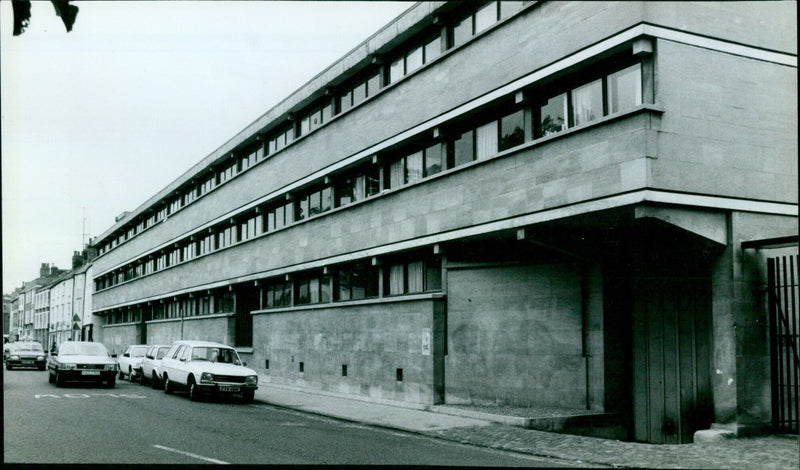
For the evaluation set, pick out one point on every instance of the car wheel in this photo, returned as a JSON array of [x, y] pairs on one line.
[[121, 375], [130, 374], [41, 367], [59, 380], [248, 395], [8, 367], [155, 381], [167, 385], [51, 378], [111, 382], [142, 379], [194, 393]]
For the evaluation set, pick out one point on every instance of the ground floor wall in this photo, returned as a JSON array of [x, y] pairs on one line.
[[382, 350], [217, 328]]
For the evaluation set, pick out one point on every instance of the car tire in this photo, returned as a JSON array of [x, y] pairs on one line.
[[194, 392], [121, 375], [130, 374], [51, 378], [110, 382], [248, 395], [156, 383], [59, 380], [167, 385], [41, 367], [142, 379], [8, 367]]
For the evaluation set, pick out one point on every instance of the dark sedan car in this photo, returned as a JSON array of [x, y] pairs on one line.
[[25, 354], [82, 361]]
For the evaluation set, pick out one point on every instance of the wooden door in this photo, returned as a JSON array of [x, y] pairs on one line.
[[671, 359]]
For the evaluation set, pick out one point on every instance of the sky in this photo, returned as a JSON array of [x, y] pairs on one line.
[[96, 121]]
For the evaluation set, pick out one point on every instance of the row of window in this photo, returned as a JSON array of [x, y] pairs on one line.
[[406, 59], [505, 127], [220, 301], [353, 281]]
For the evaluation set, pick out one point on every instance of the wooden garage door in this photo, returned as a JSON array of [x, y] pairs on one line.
[[671, 359]]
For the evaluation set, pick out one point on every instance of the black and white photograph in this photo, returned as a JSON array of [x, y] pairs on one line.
[[488, 233]]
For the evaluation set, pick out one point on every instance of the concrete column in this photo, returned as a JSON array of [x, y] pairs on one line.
[[593, 336]]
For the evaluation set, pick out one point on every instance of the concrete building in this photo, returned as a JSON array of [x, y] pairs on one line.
[[540, 204]]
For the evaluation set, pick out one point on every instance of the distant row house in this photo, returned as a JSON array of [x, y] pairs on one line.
[[53, 308]]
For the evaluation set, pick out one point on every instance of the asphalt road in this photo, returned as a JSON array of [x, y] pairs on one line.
[[134, 424]]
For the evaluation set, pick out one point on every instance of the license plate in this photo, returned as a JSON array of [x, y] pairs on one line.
[[27, 362], [228, 388], [90, 372]]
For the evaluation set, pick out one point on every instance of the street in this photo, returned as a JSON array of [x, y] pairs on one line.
[[138, 425]]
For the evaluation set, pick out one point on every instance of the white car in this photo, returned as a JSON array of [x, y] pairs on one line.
[[203, 367], [148, 370], [131, 360]]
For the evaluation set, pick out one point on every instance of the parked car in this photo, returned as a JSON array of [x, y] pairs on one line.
[[82, 361], [131, 360], [25, 354], [203, 367], [149, 366]]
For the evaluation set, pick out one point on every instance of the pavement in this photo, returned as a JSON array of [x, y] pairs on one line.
[[484, 429]]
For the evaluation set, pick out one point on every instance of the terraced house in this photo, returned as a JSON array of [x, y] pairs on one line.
[[543, 204]]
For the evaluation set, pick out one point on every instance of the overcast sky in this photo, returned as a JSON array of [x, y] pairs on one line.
[[98, 120]]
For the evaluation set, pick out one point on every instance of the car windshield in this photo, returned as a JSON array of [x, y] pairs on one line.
[[224, 355], [84, 349], [35, 347], [138, 352], [161, 352]]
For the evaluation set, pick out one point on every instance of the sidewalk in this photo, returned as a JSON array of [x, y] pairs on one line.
[[482, 429]]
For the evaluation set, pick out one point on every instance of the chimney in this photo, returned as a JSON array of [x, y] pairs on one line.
[[77, 259], [44, 270]]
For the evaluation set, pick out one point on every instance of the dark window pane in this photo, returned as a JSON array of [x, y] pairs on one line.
[[344, 284], [463, 149], [314, 203], [433, 275], [302, 209], [587, 102], [373, 181], [433, 159], [303, 296], [625, 89], [553, 115], [325, 289], [512, 130]]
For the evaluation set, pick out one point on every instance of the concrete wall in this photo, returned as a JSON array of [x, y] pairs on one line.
[[514, 336], [729, 126], [373, 340], [741, 382], [216, 328], [118, 337]]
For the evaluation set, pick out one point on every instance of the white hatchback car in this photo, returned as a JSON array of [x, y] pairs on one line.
[[148, 370], [131, 359], [203, 367]]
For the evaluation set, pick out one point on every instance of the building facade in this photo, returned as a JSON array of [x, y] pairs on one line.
[[531, 203]]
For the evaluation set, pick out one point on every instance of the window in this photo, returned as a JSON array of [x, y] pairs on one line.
[[625, 89], [509, 7], [587, 102], [512, 130], [486, 140], [223, 302], [463, 149], [433, 49], [278, 294], [412, 276], [314, 203], [356, 281], [357, 185], [204, 305], [312, 289], [416, 166], [462, 31], [553, 116], [414, 59], [485, 17]]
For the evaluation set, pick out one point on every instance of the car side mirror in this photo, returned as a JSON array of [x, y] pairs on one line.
[[113, 355], [126, 355]]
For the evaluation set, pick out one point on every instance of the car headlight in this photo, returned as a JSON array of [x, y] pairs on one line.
[[40, 358], [15, 358], [67, 366], [207, 377], [110, 367], [251, 380]]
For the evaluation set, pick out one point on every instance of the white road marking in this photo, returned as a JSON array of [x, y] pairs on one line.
[[189, 454], [88, 395]]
